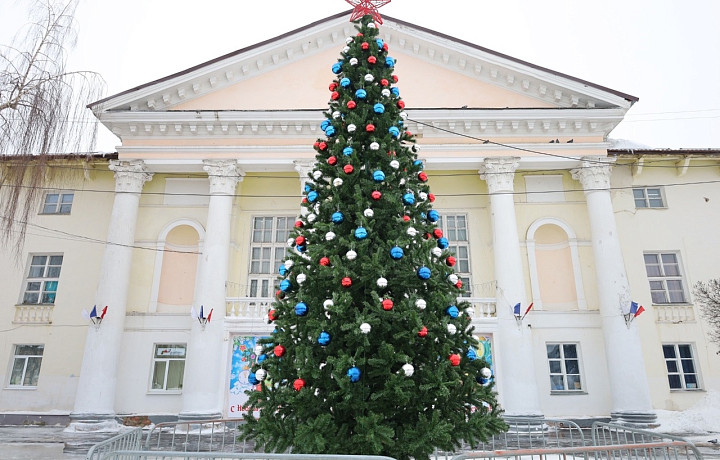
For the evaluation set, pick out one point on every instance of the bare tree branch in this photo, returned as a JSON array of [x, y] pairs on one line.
[[707, 295]]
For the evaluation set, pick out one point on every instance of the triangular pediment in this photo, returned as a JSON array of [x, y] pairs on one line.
[[292, 72]]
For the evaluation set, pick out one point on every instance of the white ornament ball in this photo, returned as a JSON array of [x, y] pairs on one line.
[[421, 304], [301, 278], [452, 329], [452, 278], [351, 128], [337, 182], [349, 40], [353, 61], [258, 349], [317, 174], [288, 264], [304, 211], [368, 212], [311, 218], [470, 311], [261, 374], [402, 181], [408, 369], [328, 303], [329, 236], [374, 146], [395, 164], [371, 25], [351, 255], [412, 231], [369, 77], [336, 114], [365, 328], [346, 49], [290, 242], [385, 92], [485, 372], [403, 115], [316, 208], [382, 282], [437, 252], [422, 196]]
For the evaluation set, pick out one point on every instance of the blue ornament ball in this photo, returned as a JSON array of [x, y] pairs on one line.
[[379, 108], [361, 233], [396, 91], [282, 270], [433, 215], [423, 273], [345, 82], [312, 196], [347, 151], [338, 217], [409, 199], [481, 380], [324, 338], [453, 311], [361, 94], [394, 131], [252, 380], [379, 42], [390, 62], [307, 188], [378, 176], [330, 131], [262, 358], [301, 309], [419, 164], [285, 285], [337, 67], [324, 124], [354, 374], [301, 248], [397, 253], [471, 354], [442, 243]]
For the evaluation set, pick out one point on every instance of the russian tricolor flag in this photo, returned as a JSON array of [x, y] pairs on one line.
[[635, 309]]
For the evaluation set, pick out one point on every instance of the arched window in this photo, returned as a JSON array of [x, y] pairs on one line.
[[554, 264], [176, 266]]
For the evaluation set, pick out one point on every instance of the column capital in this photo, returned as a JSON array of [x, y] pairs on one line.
[[594, 173], [130, 175], [224, 176], [499, 173]]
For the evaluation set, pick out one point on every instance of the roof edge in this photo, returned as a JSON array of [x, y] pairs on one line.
[[668, 151]]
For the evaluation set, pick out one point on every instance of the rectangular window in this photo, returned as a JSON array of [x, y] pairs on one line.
[[455, 229], [564, 363], [681, 369], [57, 203], [665, 277], [26, 365], [648, 197], [267, 251], [42, 280], [168, 366]]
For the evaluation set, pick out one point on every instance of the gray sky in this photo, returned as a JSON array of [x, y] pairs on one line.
[[666, 52]]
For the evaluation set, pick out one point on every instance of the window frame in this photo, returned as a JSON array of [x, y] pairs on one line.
[[260, 281], [563, 368], [663, 278], [166, 360], [646, 197], [44, 281], [26, 357], [454, 246], [58, 205], [678, 362]]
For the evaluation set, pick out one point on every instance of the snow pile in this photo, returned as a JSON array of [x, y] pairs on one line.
[[703, 417]]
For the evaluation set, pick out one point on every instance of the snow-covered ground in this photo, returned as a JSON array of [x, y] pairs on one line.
[[702, 418]]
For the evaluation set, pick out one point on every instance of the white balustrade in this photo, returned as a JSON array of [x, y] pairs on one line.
[[33, 314]]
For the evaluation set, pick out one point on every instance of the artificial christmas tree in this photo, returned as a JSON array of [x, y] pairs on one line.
[[372, 353]]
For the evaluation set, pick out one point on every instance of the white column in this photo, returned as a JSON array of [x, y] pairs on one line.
[[204, 366], [631, 401], [516, 379], [303, 168], [95, 398]]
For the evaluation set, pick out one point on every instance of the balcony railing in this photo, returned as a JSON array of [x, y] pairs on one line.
[[33, 314], [674, 313]]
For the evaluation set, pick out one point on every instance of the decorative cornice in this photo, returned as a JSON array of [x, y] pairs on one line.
[[130, 175], [224, 176], [594, 173], [499, 173]]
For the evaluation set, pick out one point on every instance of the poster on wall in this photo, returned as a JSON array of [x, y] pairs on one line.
[[242, 358]]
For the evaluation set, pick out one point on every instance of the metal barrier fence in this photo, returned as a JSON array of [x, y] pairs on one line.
[[197, 436], [170, 455], [129, 440], [607, 434]]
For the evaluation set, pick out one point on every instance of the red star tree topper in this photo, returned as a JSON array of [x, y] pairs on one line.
[[363, 7]]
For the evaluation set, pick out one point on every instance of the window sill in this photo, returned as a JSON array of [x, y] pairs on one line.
[[164, 392], [683, 390], [567, 392], [53, 214], [20, 387]]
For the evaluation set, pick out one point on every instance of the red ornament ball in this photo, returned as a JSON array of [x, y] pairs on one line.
[[372, 60], [360, 34], [385, 47], [272, 315], [459, 284], [365, 46], [370, 128], [300, 240], [437, 233], [387, 304], [406, 218], [384, 82], [376, 195], [422, 176], [333, 86], [316, 144], [351, 105], [346, 282], [450, 261], [455, 359], [324, 261], [304, 200], [298, 384], [323, 145], [279, 350], [427, 236], [332, 160], [408, 133], [348, 169], [401, 104], [395, 78], [334, 95], [431, 197], [279, 294], [422, 332], [299, 224]]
